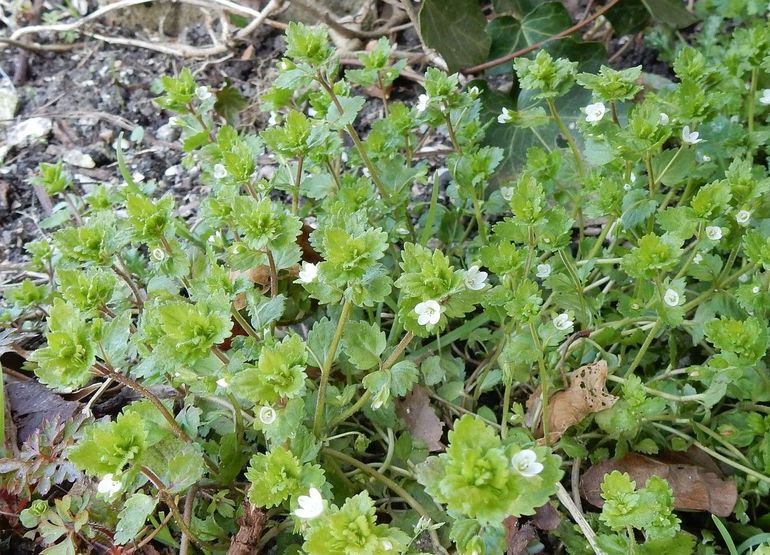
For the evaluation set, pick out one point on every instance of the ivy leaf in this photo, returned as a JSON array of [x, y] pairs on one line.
[[455, 28], [363, 344], [670, 12], [132, 517], [508, 34]]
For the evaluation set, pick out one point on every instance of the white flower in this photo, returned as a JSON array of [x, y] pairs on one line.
[[595, 112], [632, 177], [627, 187], [312, 112], [474, 279], [743, 278], [743, 216], [158, 254], [671, 297], [663, 118], [563, 322], [422, 102], [387, 546], [203, 93], [174, 121], [714, 232], [697, 258], [690, 137], [267, 415], [308, 273], [273, 119], [525, 463], [506, 193], [221, 382], [543, 270], [310, 506], [765, 98], [474, 91], [428, 313], [108, 486], [220, 172], [505, 116], [706, 158], [755, 289]]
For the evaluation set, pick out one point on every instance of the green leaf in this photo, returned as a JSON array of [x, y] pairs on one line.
[[132, 517], [508, 34], [230, 102], [264, 310], [319, 339], [403, 377], [350, 105], [670, 12], [455, 28], [363, 344]]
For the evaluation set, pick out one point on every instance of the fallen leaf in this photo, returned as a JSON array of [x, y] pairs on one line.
[[31, 404], [517, 537], [585, 395], [695, 488], [421, 420], [546, 518]]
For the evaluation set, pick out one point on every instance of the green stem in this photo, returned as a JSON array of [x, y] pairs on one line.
[[543, 380], [659, 178], [506, 408], [643, 349], [326, 370], [391, 485], [248, 328], [297, 183], [391, 360], [480, 222], [568, 136], [650, 173], [752, 92], [452, 136]]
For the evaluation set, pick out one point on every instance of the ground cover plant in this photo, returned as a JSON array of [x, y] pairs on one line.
[[366, 352]]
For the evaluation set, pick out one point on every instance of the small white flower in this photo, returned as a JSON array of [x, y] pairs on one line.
[[632, 177], [506, 193], [706, 158], [312, 112], [283, 65], [474, 279], [221, 382], [563, 322], [387, 546], [203, 93], [697, 258], [765, 98], [714, 232], [627, 187], [543, 271], [308, 273], [755, 289], [595, 112], [220, 172], [366, 172], [671, 297], [422, 102], [743, 278], [690, 137], [108, 485], [474, 91], [663, 118], [525, 463], [505, 116], [267, 415], [428, 313], [174, 121], [743, 216], [310, 506], [273, 119], [158, 254]]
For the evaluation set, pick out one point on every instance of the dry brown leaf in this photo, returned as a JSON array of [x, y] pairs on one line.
[[584, 396], [421, 420], [517, 536], [546, 518], [695, 488]]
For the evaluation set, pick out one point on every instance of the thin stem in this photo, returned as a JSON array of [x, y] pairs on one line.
[[752, 91], [157, 403], [452, 136], [125, 276], [614, 111], [184, 543], [152, 477], [326, 370], [650, 174], [506, 408], [390, 484], [297, 182], [384, 96], [643, 349], [543, 380], [243, 322], [73, 209], [567, 135], [273, 274], [663, 172]]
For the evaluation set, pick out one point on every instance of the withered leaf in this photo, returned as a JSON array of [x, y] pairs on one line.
[[584, 396], [517, 536], [695, 488], [421, 420], [546, 518]]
